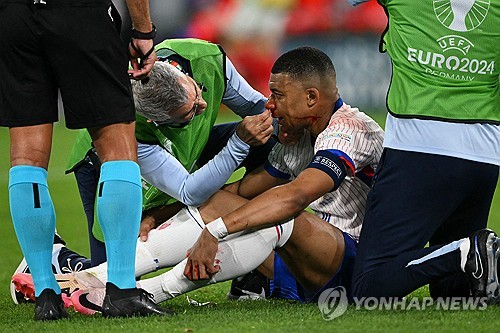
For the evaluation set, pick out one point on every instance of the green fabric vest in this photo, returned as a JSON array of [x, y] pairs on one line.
[[207, 66], [207, 63], [444, 62]]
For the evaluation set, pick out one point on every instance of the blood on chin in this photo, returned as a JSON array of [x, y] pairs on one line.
[[289, 136]]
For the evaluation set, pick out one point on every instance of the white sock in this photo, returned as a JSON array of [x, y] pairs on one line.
[[166, 246], [464, 251], [236, 256], [56, 248]]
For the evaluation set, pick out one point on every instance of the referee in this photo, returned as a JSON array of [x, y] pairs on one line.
[[74, 46]]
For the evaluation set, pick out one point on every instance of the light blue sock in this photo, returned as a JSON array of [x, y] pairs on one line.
[[34, 221], [119, 209]]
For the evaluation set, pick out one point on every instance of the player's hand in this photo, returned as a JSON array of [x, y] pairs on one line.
[[201, 258], [147, 224], [142, 58], [289, 136], [256, 130]]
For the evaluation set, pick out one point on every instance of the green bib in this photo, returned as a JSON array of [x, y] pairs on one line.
[[207, 66], [207, 63], [444, 59]]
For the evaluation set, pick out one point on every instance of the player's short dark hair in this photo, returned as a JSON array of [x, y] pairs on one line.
[[303, 62]]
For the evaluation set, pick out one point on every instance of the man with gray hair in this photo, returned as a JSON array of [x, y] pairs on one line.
[[162, 94], [183, 156]]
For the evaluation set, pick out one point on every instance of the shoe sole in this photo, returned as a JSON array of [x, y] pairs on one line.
[[493, 254], [23, 283], [17, 296], [246, 296], [76, 300]]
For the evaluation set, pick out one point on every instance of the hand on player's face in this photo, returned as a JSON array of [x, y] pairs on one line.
[[201, 257], [256, 130]]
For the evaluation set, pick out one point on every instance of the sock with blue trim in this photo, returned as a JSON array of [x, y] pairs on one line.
[[119, 208], [34, 221]]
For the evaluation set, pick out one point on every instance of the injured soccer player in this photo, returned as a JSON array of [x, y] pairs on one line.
[[260, 221], [313, 251]]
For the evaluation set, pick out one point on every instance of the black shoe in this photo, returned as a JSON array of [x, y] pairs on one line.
[[58, 239], [481, 266], [133, 302], [252, 286], [49, 306]]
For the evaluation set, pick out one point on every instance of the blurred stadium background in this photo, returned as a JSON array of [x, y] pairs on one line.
[[255, 32]]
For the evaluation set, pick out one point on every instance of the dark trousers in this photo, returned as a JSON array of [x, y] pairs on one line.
[[418, 199], [87, 178]]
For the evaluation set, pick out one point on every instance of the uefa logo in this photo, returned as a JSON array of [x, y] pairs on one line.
[[461, 15], [332, 302]]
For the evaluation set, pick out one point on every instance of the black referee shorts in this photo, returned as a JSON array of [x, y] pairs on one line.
[[70, 45]]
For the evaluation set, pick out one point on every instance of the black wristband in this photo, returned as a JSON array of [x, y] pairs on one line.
[[144, 35]]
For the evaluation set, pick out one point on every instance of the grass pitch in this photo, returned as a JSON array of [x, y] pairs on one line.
[[222, 315]]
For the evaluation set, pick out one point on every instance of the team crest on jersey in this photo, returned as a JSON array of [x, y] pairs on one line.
[[339, 135], [461, 15]]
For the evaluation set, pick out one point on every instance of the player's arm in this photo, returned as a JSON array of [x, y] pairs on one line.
[[254, 183], [325, 173], [280, 203]]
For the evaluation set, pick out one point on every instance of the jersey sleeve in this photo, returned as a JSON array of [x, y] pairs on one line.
[[165, 172], [350, 140], [330, 162], [287, 162], [239, 96]]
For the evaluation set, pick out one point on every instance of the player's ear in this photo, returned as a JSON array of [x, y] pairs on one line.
[[312, 96]]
